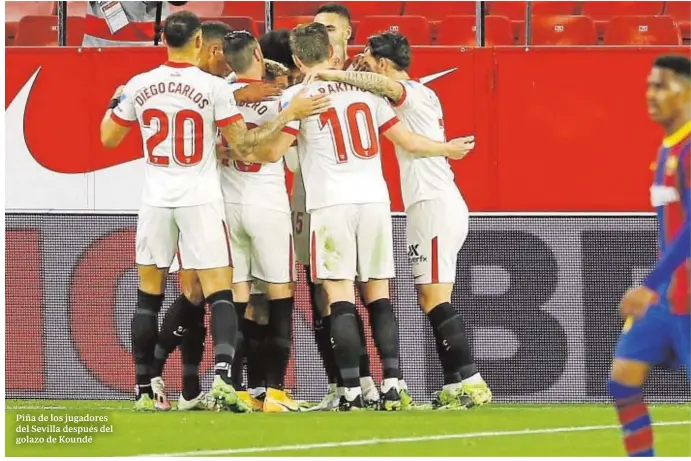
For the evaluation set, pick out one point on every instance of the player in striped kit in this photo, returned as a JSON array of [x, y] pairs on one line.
[[437, 214], [658, 329]]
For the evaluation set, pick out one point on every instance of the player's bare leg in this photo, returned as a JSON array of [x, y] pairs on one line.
[[345, 339], [385, 333], [145, 331], [461, 377], [216, 285], [182, 315]]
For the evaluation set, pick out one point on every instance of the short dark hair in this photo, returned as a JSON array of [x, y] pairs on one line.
[[238, 48], [677, 63], [310, 43], [392, 46], [335, 8], [180, 27], [275, 45], [215, 30]]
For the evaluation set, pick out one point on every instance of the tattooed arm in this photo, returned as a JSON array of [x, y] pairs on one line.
[[264, 143], [380, 85]]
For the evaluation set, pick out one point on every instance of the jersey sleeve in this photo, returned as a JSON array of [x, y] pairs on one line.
[[226, 111], [408, 96], [292, 128], [677, 253], [124, 113], [385, 116]]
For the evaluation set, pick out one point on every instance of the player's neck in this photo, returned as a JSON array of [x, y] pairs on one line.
[[676, 125], [321, 66], [183, 57], [252, 75], [398, 75]]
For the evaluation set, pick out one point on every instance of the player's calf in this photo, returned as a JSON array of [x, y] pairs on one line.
[[625, 387], [144, 328]]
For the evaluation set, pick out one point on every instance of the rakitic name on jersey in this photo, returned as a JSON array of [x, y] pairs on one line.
[[190, 92]]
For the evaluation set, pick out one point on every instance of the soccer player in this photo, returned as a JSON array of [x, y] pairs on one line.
[[275, 46], [178, 108], [658, 330], [258, 213], [348, 202], [437, 214], [337, 20]]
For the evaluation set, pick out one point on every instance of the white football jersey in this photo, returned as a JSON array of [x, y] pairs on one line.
[[340, 149], [423, 178], [257, 184], [178, 108]]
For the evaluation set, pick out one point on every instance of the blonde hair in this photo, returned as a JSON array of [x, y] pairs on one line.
[[274, 69]]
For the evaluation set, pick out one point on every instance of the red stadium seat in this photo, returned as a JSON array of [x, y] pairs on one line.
[[290, 22], [14, 11], [237, 23], [563, 30], [359, 10], [642, 30], [437, 11], [43, 31], [460, 30], [601, 12], [515, 11], [415, 28], [208, 9], [681, 11], [255, 9], [76, 9]]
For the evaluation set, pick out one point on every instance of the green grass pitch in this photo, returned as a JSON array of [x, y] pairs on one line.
[[493, 430]]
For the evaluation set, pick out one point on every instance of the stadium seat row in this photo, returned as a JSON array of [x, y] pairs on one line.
[[440, 23], [454, 30]]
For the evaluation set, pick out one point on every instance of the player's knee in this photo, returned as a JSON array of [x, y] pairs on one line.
[[215, 280], [339, 290], [629, 372], [279, 290], [432, 295], [374, 290], [241, 292], [151, 279]]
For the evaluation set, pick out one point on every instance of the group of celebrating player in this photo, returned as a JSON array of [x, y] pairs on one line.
[[220, 211]]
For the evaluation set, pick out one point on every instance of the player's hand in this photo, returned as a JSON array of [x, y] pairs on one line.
[[222, 152], [359, 64], [302, 106], [460, 147], [636, 301], [257, 92]]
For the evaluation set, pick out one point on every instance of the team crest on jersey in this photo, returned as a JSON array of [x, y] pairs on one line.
[[671, 166]]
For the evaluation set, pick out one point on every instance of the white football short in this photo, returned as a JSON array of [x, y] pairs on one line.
[[262, 243], [197, 235], [352, 241], [436, 231]]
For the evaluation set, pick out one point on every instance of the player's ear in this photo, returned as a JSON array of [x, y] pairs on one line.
[[331, 51], [348, 33], [198, 42], [298, 63]]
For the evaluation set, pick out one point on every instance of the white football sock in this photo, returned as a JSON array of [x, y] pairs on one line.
[[453, 387], [340, 391], [332, 388], [402, 384], [388, 383], [475, 379], [367, 383], [351, 393]]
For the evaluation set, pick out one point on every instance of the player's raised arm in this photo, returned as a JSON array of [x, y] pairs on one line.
[[118, 119], [380, 85]]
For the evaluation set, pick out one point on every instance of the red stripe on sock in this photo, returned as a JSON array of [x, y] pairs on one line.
[[632, 413], [640, 440]]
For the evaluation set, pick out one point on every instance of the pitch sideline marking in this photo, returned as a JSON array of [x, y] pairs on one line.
[[425, 438]]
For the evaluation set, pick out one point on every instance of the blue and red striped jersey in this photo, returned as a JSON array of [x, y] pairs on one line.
[[670, 194]]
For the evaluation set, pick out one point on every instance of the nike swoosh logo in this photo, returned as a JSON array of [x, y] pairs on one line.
[[430, 78]]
